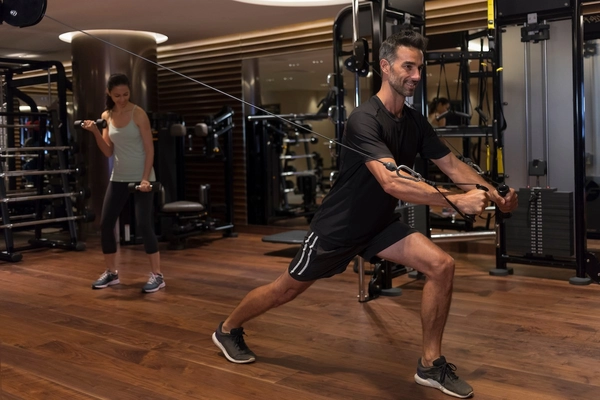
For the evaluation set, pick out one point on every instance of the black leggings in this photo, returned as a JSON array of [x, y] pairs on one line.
[[115, 198]]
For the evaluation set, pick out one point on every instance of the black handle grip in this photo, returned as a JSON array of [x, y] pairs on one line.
[[503, 190], [471, 217], [133, 186], [100, 123]]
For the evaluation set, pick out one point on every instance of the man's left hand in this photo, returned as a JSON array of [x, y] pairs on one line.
[[507, 203]]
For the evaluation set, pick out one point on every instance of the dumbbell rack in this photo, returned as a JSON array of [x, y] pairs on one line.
[[36, 220]]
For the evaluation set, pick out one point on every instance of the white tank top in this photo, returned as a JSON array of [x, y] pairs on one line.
[[129, 155]]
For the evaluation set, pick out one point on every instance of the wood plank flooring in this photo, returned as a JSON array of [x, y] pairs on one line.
[[528, 336]]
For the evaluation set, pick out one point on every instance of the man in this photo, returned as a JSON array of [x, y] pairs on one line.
[[357, 216]]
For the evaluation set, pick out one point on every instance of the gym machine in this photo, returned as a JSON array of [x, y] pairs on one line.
[[40, 183], [592, 142], [545, 139], [179, 219], [459, 118], [273, 165], [364, 26]]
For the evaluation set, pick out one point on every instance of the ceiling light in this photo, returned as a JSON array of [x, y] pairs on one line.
[[21, 55], [296, 3], [68, 36]]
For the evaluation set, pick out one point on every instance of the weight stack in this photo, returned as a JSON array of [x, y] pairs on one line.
[[415, 216], [542, 225]]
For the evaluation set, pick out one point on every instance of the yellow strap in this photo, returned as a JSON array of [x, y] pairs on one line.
[[500, 161], [487, 160], [490, 14]]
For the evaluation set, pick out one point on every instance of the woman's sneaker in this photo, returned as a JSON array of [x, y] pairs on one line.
[[441, 376], [154, 284], [108, 278]]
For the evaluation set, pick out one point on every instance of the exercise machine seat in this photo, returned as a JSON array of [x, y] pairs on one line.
[[182, 207]]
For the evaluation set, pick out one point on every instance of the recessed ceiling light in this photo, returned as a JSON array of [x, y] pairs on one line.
[[296, 3], [21, 55], [68, 36]]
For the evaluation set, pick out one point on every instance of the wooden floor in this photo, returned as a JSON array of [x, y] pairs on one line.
[[527, 336]]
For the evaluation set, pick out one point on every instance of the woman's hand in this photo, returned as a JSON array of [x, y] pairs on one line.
[[90, 126], [145, 186]]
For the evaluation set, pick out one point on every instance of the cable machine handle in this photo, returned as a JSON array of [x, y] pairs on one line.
[[503, 190]]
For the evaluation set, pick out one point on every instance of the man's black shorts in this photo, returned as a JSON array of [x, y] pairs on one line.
[[318, 259]]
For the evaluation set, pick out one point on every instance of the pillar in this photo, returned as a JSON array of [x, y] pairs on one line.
[[95, 57]]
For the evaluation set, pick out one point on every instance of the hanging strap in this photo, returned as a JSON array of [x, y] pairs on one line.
[[443, 72]]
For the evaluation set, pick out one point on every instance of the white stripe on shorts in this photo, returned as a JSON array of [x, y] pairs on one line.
[[304, 248]]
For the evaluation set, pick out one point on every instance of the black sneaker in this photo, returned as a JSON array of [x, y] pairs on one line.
[[441, 376], [233, 346], [108, 278]]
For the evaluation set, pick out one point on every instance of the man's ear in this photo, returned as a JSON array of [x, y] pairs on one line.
[[384, 65]]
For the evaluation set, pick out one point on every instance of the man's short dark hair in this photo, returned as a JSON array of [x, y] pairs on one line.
[[406, 37]]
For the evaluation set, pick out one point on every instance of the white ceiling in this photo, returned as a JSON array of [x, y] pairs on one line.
[[181, 20]]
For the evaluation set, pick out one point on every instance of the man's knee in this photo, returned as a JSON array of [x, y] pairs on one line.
[[288, 289], [442, 267]]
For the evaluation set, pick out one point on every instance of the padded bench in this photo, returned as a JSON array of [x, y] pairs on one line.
[[289, 237]]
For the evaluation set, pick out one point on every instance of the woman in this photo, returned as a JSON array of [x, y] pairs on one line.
[[128, 138], [437, 107]]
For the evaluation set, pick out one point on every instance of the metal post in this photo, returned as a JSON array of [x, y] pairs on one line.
[[363, 295], [338, 67], [579, 147], [527, 74], [354, 40], [2, 118], [501, 264], [229, 181], [545, 110]]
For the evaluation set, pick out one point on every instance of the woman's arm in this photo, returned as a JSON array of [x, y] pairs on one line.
[[102, 139], [143, 123]]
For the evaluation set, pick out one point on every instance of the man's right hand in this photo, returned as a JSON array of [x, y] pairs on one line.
[[472, 202]]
